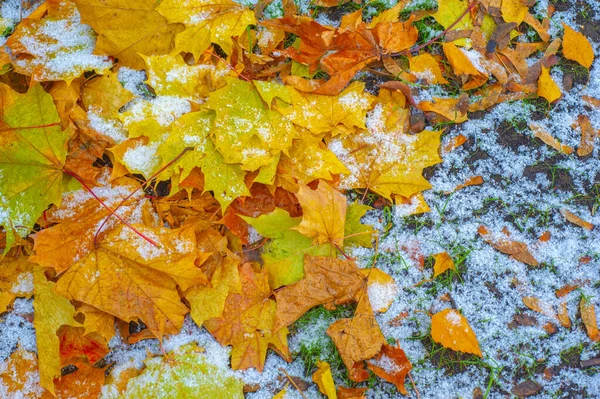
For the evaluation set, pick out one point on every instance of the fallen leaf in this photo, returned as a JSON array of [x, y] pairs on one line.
[[81, 384], [324, 380], [454, 143], [351, 393], [588, 316], [20, 376], [443, 262], [526, 388], [588, 134], [425, 66], [563, 315], [471, 181], [571, 217], [381, 287], [392, 365], [515, 249], [327, 281], [542, 134], [358, 338], [547, 88], [540, 306], [452, 330], [577, 47], [324, 214]]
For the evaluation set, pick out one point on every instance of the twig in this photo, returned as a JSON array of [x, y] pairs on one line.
[[292, 381], [414, 386]]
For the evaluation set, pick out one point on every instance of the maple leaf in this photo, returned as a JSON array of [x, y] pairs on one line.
[[245, 130], [79, 348], [452, 330], [323, 214], [329, 114], [96, 321], [128, 28], [18, 373], [131, 279], [327, 281], [206, 22], [51, 311], [284, 254], [381, 287], [32, 155], [358, 338], [248, 320], [185, 373], [16, 280], [78, 220], [391, 161], [55, 47]]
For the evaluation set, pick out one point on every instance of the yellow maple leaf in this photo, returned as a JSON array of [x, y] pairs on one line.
[[324, 214]]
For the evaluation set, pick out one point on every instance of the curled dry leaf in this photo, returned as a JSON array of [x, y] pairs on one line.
[[542, 134], [540, 306], [571, 217], [563, 315], [452, 330], [515, 249], [588, 316], [453, 144], [588, 134]]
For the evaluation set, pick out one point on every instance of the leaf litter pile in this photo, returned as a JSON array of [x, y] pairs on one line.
[[302, 200]]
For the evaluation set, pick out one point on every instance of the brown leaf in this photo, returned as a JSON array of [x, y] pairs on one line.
[[571, 217], [588, 315], [327, 281], [540, 306], [515, 249], [526, 388], [542, 134], [357, 338], [588, 134]]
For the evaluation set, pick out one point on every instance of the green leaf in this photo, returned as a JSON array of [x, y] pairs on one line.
[[33, 150], [283, 255], [187, 373], [357, 234]]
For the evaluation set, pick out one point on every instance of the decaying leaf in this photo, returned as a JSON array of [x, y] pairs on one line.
[[571, 217], [542, 134], [588, 316], [452, 330], [540, 306], [516, 249]]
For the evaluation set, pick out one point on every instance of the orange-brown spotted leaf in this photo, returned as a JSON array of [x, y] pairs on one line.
[[443, 262], [327, 281], [547, 87], [447, 107], [80, 349], [130, 278], [392, 365], [576, 220], [324, 380], [542, 134], [351, 393], [588, 316], [588, 134], [324, 214], [515, 249], [537, 305], [247, 322], [452, 330], [358, 338], [577, 47]]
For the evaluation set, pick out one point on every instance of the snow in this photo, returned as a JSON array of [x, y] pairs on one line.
[[141, 159]]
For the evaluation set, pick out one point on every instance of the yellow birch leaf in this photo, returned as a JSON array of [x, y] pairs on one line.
[[577, 47], [540, 306], [547, 87], [50, 311], [452, 330], [324, 380], [443, 262], [324, 214]]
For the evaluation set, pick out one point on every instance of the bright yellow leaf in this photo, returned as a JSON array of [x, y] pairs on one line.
[[452, 330], [547, 87], [577, 47]]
